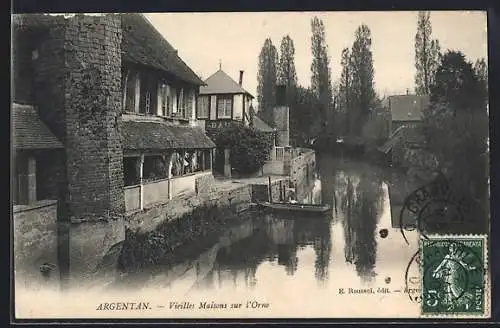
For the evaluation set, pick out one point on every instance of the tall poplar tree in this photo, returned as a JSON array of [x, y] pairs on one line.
[[320, 68], [344, 89], [266, 78], [286, 69], [426, 54], [362, 96]]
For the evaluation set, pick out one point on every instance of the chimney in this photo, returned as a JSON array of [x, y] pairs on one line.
[[241, 78], [281, 118]]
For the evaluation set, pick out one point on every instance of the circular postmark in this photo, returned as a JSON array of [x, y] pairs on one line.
[[432, 208], [452, 276]]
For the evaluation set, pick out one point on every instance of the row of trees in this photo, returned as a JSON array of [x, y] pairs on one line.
[[310, 108], [321, 110]]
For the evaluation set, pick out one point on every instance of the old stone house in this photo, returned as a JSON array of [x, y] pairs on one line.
[[117, 96]]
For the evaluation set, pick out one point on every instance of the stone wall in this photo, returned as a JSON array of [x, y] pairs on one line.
[[273, 168], [302, 168], [89, 242], [237, 198], [35, 245], [278, 191], [204, 184]]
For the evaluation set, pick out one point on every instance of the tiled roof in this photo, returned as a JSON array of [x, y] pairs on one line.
[[29, 132], [143, 44], [162, 136], [407, 107], [220, 82], [260, 125]]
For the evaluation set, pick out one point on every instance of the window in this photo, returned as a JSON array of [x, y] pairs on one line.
[[165, 100], [155, 168], [130, 92], [188, 103], [203, 107], [148, 91], [180, 101], [224, 106], [131, 171]]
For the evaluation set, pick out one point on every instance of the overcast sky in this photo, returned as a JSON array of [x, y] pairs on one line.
[[236, 39]]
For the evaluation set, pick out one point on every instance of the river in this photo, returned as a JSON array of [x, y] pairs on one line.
[[301, 262]]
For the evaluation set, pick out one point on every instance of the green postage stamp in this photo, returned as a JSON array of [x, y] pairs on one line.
[[454, 271]]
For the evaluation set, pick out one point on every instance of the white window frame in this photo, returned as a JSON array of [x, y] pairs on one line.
[[227, 106]]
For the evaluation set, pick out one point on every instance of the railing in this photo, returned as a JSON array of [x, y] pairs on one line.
[[148, 194], [280, 153]]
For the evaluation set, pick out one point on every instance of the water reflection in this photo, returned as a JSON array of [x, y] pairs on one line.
[[274, 240], [251, 254], [358, 199]]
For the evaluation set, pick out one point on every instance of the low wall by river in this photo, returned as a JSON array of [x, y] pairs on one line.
[[35, 245], [238, 198], [302, 168]]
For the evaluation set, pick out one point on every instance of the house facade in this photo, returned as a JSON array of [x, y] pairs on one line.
[[406, 119], [222, 100], [122, 104], [406, 110]]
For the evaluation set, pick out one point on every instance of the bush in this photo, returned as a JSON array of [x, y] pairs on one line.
[[249, 147]]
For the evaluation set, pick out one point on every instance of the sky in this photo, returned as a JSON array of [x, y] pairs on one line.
[[235, 39]]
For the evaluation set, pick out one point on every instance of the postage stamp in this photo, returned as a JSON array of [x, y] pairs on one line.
[[454, 270]]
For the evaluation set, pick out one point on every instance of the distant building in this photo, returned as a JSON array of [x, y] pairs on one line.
[[406, 118], [406, 110]]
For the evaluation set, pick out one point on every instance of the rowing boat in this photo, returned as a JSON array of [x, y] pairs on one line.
[[296, 207]]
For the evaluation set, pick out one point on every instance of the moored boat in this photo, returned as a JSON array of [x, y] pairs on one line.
[[299, 208]]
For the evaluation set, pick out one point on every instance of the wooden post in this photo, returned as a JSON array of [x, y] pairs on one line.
[[141, 186], [227, 163], [170, 164], [269, 191], [31, 180]]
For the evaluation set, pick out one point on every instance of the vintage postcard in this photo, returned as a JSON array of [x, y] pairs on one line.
[[250, 165]]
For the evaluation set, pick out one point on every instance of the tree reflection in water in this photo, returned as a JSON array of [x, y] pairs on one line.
[[361, 206]]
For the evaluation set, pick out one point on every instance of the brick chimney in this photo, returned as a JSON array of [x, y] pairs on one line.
[[241, 78], [281, 117]]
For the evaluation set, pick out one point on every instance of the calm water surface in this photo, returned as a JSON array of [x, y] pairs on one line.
[[301, 255]]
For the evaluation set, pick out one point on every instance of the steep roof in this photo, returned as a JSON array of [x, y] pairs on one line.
[[221, 82], [161, 136], [143, 44], [407, 107], [29, 132], [260, 125]]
